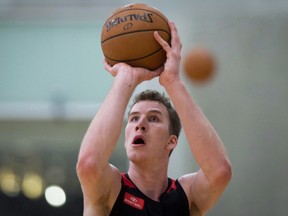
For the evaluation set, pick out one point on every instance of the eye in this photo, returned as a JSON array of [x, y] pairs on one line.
[[133, 118], [154, 119]]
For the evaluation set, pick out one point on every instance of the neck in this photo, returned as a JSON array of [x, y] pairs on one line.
[[151, 181]]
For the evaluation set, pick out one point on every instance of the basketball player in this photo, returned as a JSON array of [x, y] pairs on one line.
[[151, 134]]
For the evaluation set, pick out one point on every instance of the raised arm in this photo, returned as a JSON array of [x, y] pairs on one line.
[[94, 171], [204, 187]]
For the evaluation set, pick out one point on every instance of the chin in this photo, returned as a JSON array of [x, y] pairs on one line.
[[135, 157]]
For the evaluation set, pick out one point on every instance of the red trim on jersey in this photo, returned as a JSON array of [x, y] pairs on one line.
[[172, 187], [127, 181]]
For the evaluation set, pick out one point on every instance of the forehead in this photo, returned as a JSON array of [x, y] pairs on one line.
[[149, 106]]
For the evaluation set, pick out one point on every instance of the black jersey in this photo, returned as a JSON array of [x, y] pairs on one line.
[[132, 202]]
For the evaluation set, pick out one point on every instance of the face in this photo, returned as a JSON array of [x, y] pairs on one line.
[[147, 132]]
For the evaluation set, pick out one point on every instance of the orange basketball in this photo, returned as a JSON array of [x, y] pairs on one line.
[[128, 36], [199, 65]]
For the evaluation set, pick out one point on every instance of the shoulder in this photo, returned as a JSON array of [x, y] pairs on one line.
[[187, 182], [202, 194], [100, 194]]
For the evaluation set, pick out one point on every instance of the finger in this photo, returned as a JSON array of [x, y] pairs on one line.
[[147, 74], [175, 42], [152, 74], [161, 41], [106, 65], [159, 70], [109, 68]]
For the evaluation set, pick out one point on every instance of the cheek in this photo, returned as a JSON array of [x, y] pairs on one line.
[[161, 133], [127, 133]]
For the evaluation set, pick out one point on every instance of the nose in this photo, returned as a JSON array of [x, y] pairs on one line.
[[143, 128], [141, 125]]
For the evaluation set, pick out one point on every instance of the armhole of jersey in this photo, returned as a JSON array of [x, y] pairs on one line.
[[119, 199], [180, 189]]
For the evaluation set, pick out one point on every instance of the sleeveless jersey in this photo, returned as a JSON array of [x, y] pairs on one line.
[[132, 202]]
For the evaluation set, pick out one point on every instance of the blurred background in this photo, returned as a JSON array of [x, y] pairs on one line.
[[52, 82]]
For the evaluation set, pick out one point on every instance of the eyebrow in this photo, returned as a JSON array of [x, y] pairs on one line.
[[150, 111]]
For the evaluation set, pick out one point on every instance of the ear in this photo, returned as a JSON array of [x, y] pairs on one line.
[[173, 141]]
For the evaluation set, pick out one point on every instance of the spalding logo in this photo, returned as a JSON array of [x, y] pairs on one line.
[[146, 17]]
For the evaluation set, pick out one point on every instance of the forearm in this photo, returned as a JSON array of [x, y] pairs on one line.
[[204, 142], [103, 133]]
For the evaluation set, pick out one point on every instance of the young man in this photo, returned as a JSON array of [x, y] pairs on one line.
[[150, 136]]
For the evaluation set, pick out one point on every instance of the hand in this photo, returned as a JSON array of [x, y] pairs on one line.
[[132, 75], [173, 54]]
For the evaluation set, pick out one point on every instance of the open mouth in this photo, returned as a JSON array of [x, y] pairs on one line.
[[138, 141]]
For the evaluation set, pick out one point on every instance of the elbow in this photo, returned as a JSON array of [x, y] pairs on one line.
[[223, 175], [89, 167], [81, 167], [85, 167]]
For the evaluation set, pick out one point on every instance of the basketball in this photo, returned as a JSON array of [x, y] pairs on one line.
[[128, 36], [199, 65]]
